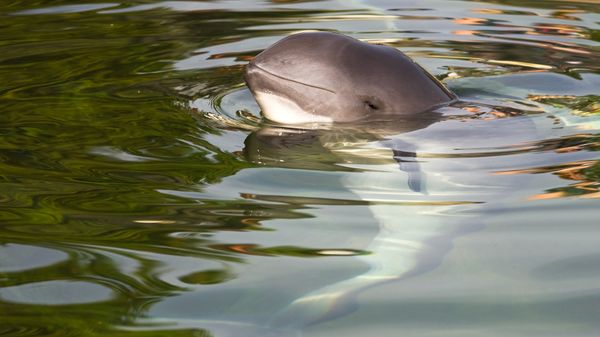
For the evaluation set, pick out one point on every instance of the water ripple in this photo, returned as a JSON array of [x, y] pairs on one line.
[[141, 186]]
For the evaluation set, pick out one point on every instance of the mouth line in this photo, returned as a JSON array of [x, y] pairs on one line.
[[293, 81]]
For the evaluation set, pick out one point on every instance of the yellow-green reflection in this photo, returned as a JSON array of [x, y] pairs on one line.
[[141, 194]]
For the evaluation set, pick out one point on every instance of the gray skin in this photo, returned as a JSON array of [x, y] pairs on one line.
[[327, 77]]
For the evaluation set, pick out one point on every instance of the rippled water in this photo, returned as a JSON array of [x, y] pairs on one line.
[[142, 194]]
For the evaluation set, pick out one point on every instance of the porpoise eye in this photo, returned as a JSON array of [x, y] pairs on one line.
[[371, 105]]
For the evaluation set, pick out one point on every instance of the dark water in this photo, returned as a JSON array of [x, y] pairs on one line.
[[142, 195]]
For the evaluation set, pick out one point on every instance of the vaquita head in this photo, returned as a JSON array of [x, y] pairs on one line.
[[322, 77]]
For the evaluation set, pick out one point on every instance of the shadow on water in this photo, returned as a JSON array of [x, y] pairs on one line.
[[142, 195]]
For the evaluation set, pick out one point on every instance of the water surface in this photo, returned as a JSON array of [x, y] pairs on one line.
[[143, 195]]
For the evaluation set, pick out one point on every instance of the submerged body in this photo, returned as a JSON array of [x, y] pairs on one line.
[[326, 77], [420, 205]]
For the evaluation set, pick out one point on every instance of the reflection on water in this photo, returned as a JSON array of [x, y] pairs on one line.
[[143, 195], [55, 293]]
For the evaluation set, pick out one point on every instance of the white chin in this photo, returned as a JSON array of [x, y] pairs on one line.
[[285, 111]]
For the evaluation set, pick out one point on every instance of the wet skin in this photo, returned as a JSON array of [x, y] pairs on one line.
[[326, 77]]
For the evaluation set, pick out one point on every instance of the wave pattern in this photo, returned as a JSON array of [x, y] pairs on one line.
[[141, 193]]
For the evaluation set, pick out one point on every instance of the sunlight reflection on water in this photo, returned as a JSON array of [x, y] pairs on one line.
[[142, 193]]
